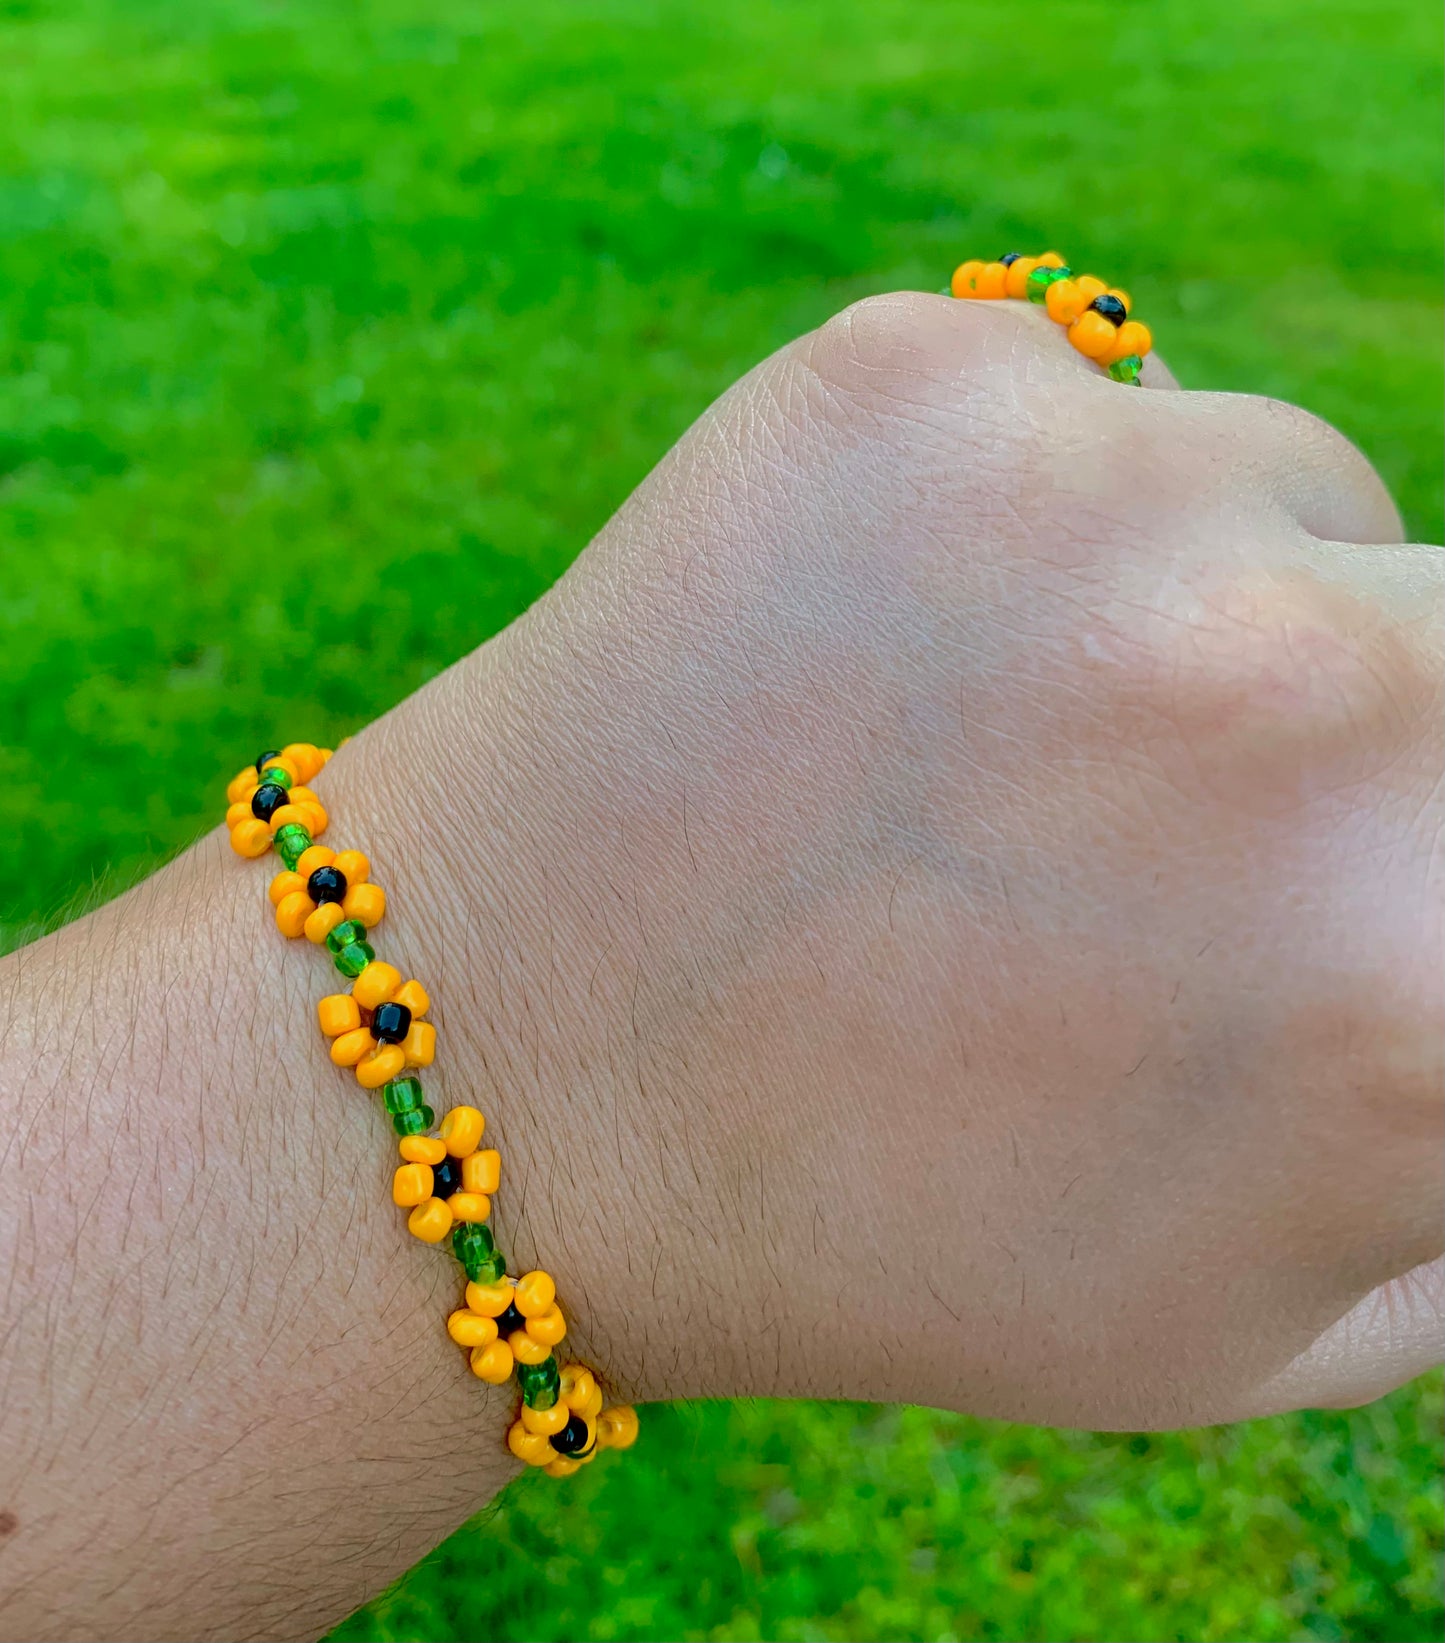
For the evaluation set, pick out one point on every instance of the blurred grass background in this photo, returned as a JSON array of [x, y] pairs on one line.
[[331, 330]]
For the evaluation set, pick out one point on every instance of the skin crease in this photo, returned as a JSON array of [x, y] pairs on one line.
[[938, 904]]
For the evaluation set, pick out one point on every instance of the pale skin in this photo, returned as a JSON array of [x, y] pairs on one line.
[[941, 904]]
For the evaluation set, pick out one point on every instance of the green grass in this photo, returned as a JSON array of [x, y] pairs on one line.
[[331, 331]]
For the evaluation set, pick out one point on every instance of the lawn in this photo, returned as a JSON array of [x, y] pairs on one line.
[[332, 330]]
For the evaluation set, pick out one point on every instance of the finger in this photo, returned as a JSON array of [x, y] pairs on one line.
[[1394, 1334]]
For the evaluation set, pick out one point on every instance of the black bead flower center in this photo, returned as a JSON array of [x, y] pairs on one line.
[[326, 884], [390, 1023], [268, 799], [1111, 308], [573, 1438]]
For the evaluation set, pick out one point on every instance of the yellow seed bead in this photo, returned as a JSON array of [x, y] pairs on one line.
[[411, 1185], [470, 1206], [525, 1349], [388, 1061], [353, 866], [292, 912], [414, 996], [316, 856], [963, 277], [1092, 334], [617, 1427], [251, 838], [469, 1329], [1016, 284], [431, 1221], [289, 815], [304, 759], [1064, 302], [482, 1171], [366, 903], [1134, 338], [461, 1129], [531, 1447], [237, 813], [280, 763], [241, 785], [316, 820], [283, 885], [1052, 259], [493, 1363], [563, 1467], [323, 921], [593, 1406], [491, 1300], [550, 1328], [546, 1421], [578, 1385], [420, 1044], [349, 1049], [375, 985], [338, 1015], [423, 1149], [990, 281], [535, 1294], [1090, 287]]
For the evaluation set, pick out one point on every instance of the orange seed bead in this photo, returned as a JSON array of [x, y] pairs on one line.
[[963, 277], [292, 912], [414, 996], [550, 1328], [1016, 284], [491, 1300], [535, 1294], [1090, 286], [471, 1329], [531, 1447], [353, 866], [283, 885], [237, 812], [526, 1348], [545, 1421], [563, 1467], [461, 1129], [617, 1427], [482, 1171], [251, 838], [412, 1185], [1134, 338], [289, 815], [349, 1048], [991, 280], [470, 1206], [388, 1061], [323, 921], [420, 1044], [431, 1221], [1064, 302], [1092, 335], [317, 855], [423, 1149], [493, 1363], [578, 1383], [304, 759], [1051, 259], [314, 817], [241, 784], [366, 903], [338, 1014], [376, 984]]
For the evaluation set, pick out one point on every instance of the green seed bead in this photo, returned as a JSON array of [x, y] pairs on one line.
[[415, 1122], [1126, 369], [277, 774], [401, 1095], [491, 1270], [1036, 286], [349, 930], [541, 1383], [473, 1245], [291, 842], [352, 960]]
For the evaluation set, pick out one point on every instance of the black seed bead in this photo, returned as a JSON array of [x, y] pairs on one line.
[[1010, 257], [572, 1439], [261, 758], [391, 1023], [510, 1321], [1111, 308], [268, 799], [326, 884], [446, 1177]]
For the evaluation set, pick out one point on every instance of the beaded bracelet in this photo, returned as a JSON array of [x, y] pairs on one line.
[[506, 1325], [1096, 315]]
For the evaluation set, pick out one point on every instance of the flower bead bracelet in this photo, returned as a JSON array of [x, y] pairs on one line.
[[1095, 315], [507, 1326]]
